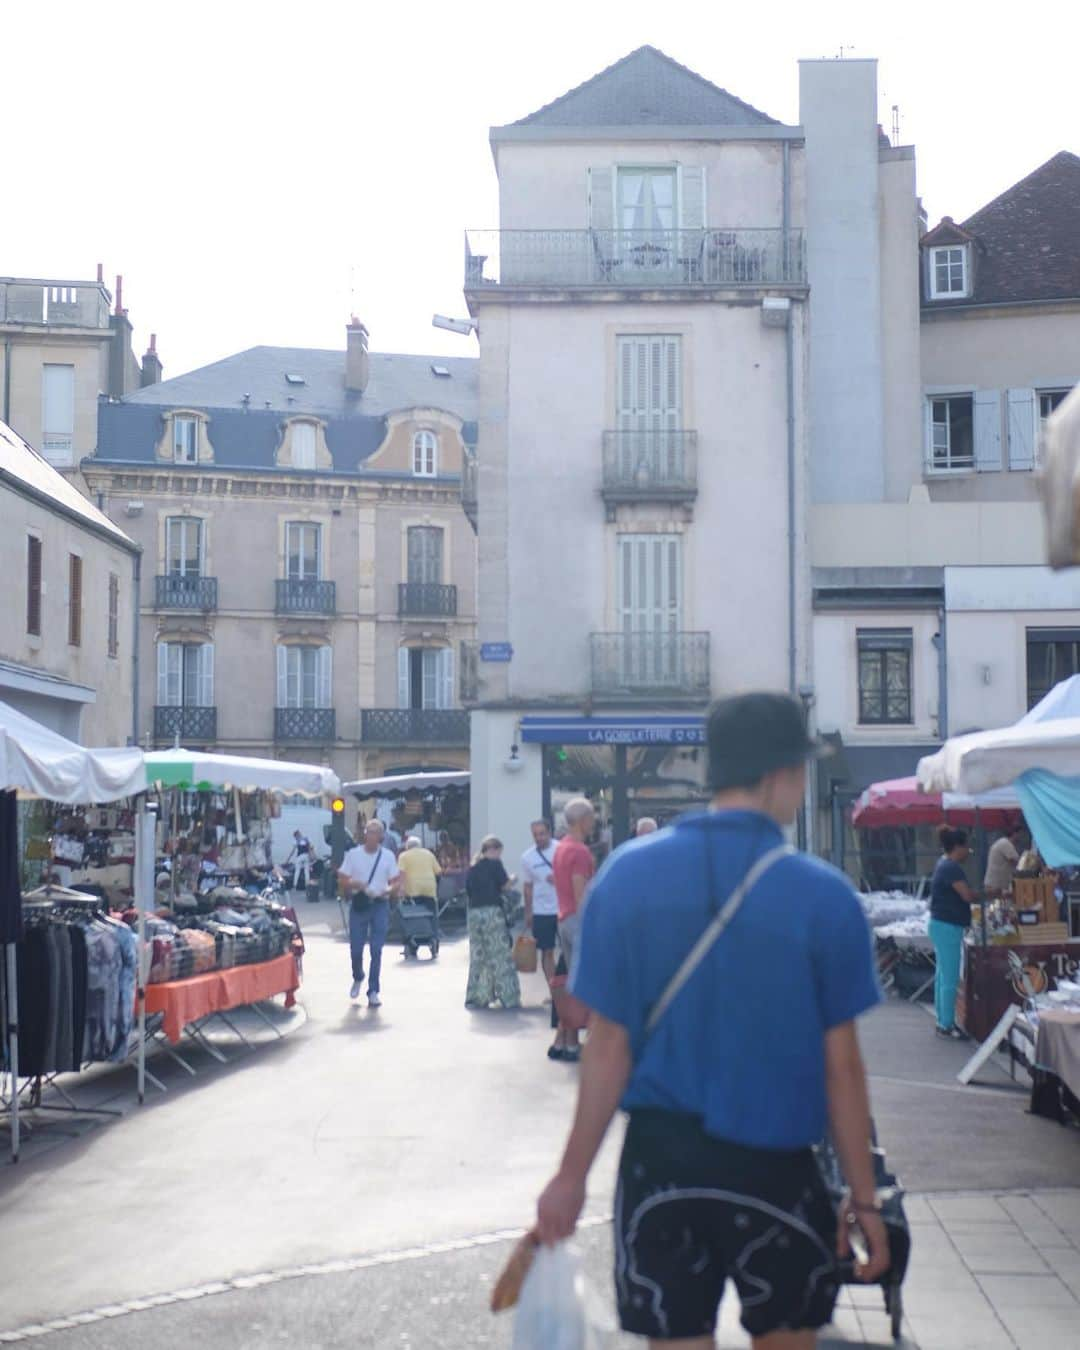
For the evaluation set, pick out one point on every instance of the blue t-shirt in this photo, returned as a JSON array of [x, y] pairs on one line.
[[742, 1046], [946, 904]]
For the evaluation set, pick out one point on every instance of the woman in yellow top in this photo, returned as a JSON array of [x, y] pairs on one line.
[[421, 871]]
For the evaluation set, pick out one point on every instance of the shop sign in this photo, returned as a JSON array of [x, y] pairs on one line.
[[614, 730], [496, 651]]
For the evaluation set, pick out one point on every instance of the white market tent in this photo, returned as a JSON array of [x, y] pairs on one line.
[[194, 769], [37, 762]]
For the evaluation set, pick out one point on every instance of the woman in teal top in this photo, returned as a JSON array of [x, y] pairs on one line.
[[951, 899]]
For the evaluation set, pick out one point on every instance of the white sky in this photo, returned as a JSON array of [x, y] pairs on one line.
[[256, 170]]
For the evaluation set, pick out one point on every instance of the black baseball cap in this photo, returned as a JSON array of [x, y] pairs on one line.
[[751, 735]]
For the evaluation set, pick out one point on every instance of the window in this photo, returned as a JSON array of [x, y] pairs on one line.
[[303, 445], [114, 614], [1049, 401], [646, 200], [74, 600], [884, 676], [304, 677], [186, 674], [183, 546], [425, 677], [33, 585], [425, 454], [649, 598], [649, 408], [58, 414], [303, 551], [425, 554], [186, 440], [952, 438], [1053, 654], [948, 272]]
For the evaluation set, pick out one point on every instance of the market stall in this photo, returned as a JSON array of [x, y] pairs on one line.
[[37, 763]]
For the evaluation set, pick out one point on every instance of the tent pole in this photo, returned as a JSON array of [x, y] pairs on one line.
[[13, 1042], [145, 838]]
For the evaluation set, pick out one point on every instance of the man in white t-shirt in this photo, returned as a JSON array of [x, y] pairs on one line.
[[370, 876], [541, 902]]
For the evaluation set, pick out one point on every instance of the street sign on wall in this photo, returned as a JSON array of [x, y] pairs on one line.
[[496, 651]]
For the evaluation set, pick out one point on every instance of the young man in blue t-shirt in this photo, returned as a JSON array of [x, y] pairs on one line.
[[745, 1068]]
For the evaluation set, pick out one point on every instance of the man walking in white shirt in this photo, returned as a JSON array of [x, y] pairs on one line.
[[370, 876], [541, 902]]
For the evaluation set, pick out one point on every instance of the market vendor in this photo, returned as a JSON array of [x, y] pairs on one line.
[[1002, 861], [951, 898]]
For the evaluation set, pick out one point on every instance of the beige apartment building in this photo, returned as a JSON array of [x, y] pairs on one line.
[[67, 635], [310, 575]]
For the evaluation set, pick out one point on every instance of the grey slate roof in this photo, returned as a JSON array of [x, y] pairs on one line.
[[246, 436], [647, 88], [397, 382]]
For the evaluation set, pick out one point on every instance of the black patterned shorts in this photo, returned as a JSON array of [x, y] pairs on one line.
[[693, 1211]]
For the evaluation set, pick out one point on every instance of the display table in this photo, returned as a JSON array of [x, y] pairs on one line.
[[986, 985], [1057, 1047], [182, 1002]]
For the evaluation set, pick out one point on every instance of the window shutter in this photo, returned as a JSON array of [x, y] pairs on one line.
[[325, 677], [1022, 422], [163, 674], [987, 430], [928, 432], [282, 676], [446, 678], [403, 691], [602, 198], [75, 569], [33, 585], [692, 205], [206, 675], [429, 694]]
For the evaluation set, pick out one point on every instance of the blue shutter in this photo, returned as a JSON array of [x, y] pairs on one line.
[[1022, 424], [987, 430], [602, 198]]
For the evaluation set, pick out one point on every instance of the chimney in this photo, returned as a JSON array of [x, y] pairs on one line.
[[122, 363], [151, 365], [101, 274], [356, 356]]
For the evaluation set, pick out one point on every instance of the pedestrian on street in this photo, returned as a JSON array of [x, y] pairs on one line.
[[420, 873], [728, 1033], [492, 975], [951, 899], [370, 876], [542, 905], [300, 856], [574, 870], [1002, 860], [646, 825]]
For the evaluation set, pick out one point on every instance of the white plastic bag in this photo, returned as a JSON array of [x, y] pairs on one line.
[[555, 1311]]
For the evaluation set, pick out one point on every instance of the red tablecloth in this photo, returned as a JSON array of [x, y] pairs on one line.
[[184, 1001]]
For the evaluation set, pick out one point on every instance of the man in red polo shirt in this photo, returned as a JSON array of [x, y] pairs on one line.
[[573, 871]]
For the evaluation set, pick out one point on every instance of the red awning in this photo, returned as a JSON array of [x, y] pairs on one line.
[[898, 801]]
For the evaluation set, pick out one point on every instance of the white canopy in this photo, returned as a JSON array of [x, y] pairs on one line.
[[38, 762], [398, 784], [1048, 737], [193, 768]]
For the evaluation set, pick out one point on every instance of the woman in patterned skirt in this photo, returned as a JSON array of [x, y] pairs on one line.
[[492, 976]]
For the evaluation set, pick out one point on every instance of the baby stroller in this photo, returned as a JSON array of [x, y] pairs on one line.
[[419, 926], [891, 1195]]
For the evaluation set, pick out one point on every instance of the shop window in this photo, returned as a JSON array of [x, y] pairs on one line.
[[425, 454], [1053, 654], [885, 676]]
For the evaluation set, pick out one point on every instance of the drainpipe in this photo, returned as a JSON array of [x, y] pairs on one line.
[[789, 337], [135, 653], [7, 380], [941, 643]]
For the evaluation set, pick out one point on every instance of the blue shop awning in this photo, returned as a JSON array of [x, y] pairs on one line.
[[632, 730]]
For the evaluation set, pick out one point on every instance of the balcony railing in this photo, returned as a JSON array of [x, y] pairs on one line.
[[177, 592], [427, 599], [191, 725], [651, 465], [304, 724], [637, 259], [68, 304], [414, 726], [664, 665], [304, 596], [470, 487]]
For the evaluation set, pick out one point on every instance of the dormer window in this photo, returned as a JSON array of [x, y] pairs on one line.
[[949, 272], [303, 445], [186, 440], [425, 454]]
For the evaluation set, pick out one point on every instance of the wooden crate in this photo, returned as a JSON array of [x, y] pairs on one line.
[[1039, 934], [1036, 893]]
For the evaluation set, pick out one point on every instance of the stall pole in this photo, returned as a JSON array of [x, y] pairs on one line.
[[13, 1043], [145, 838]]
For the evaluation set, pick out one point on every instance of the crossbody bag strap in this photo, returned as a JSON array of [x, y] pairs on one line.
[[704, 944]]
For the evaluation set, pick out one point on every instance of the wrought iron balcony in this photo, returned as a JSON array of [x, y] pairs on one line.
[[426, 599], [470, 485], [305, 596], [180, 592], [191, 725], [635, 259], [414, 726], [304, 724], [649, 466], [662, 665]]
